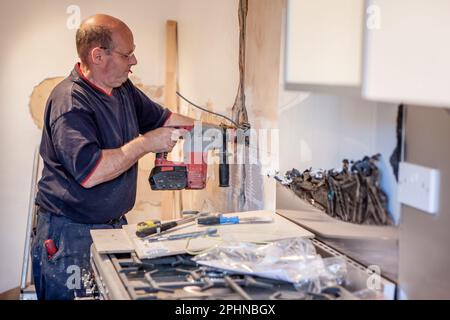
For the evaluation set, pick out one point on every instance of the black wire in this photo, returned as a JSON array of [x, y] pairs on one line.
[[206, 110]]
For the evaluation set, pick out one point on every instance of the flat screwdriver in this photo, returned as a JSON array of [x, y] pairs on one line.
[[196, 234], [220, 219]]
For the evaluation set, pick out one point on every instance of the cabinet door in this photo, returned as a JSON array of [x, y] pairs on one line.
[[324, 43], [407, 56]]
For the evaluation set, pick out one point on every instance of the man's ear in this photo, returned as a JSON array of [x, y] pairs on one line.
[[97, 55]]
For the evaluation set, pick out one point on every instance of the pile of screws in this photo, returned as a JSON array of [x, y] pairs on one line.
[[352, 194]]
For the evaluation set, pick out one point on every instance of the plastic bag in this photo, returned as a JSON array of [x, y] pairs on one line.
[[294, 260]]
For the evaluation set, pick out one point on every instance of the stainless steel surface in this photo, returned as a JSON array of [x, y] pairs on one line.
[[424, 239], [382, 253], [368, 252], [179, 278], [361, 281], [106, 277], [123, 276]]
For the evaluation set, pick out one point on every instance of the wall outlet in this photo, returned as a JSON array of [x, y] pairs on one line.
[[418, 187]]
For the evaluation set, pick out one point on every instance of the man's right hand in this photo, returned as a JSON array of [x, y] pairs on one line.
[[159, 140]]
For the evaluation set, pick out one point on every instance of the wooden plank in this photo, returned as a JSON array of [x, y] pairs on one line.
[[325, 226], [170, 201], [280, 228], [111, 241], [262, 67], [170, 97]]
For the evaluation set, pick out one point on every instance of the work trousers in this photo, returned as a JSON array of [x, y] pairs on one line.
[[61, 276]]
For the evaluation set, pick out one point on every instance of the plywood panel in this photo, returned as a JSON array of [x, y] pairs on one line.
[[263, 61], [262, 72], [111, 241], [280, 228]]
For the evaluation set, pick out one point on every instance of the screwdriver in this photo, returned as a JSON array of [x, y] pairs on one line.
[[220, 219], [196, 234], [150, 227]]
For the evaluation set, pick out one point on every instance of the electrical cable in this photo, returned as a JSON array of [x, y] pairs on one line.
[[196, 252], [206, 110]]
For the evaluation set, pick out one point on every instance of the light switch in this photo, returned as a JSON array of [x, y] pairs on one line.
[[418, 187]]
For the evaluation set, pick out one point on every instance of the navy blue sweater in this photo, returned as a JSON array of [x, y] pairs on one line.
[[81, 120]]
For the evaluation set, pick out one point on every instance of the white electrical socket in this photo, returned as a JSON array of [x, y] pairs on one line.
[[418, 187]]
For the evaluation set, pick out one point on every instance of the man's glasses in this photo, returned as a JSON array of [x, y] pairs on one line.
[[123, 55]]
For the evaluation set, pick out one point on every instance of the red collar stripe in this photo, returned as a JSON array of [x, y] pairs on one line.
[[80, 72]]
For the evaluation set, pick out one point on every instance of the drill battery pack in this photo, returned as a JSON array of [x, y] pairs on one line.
[[168, 178]]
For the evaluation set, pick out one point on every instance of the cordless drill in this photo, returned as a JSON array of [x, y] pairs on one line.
[[192, 172]]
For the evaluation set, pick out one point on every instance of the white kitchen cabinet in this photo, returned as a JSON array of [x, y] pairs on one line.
[[324, 44], [407, 52]]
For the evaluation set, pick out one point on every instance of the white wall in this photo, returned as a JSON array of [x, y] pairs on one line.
[[322, 130], [209, 46], [208, 68], [38, 45]]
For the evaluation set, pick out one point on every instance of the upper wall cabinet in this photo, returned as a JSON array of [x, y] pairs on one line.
[[324, 45], [407, 55]]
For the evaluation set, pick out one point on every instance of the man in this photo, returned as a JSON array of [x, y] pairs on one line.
[[97, 126]]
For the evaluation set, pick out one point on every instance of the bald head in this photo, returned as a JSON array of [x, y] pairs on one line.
[[100, 30]]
